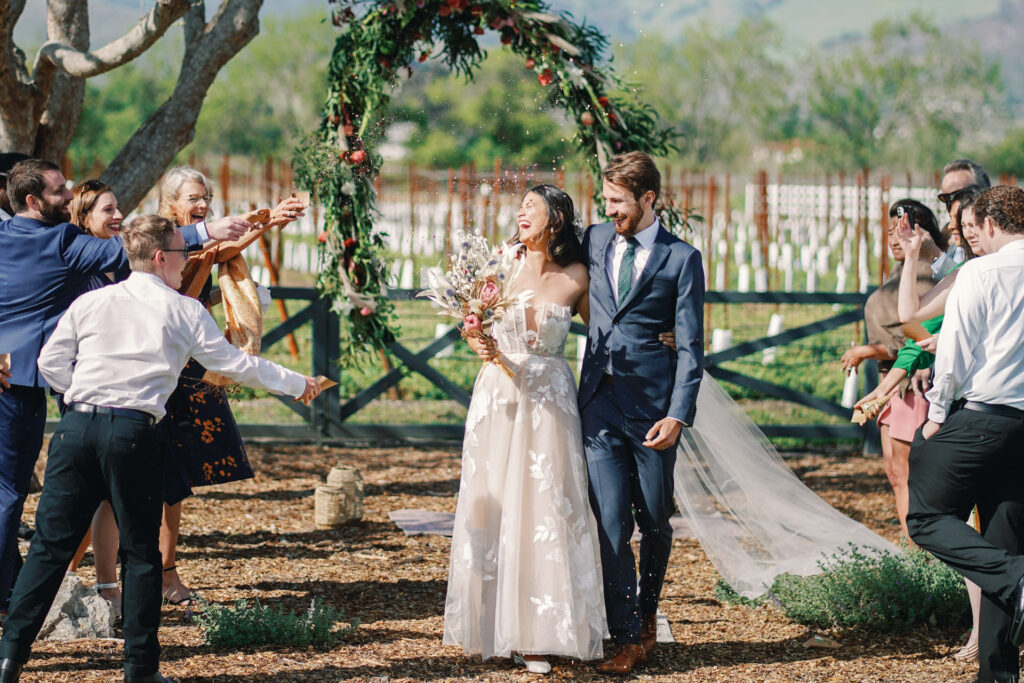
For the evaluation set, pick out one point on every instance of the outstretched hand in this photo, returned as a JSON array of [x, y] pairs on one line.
[[312, 390], [228, 228], [288, 210], [663, 434]]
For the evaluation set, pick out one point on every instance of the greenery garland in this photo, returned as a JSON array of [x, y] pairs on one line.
[[380, 39]]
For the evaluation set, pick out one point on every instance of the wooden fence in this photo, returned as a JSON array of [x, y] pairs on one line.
[[329, 417]]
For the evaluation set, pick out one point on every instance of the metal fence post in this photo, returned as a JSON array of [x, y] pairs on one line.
[[326, 352]]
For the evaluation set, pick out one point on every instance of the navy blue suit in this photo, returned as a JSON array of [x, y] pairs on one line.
[[648, 383], [43, 269]]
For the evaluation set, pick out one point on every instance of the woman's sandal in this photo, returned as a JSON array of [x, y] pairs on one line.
[[190, 600]]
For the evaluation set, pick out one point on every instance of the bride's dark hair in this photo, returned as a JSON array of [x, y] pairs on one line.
[[564, 245]]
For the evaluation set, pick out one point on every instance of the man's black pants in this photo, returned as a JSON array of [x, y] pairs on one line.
[[975, 458], [93, 457]]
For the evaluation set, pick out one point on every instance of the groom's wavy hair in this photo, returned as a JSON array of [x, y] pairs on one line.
[[635, 171], [564, 246]]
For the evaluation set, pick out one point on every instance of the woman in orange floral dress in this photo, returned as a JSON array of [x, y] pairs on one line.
[[204, 446]]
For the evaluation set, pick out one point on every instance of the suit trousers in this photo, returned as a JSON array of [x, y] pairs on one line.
[[94, 457], [975, 458], [22, 421], [628, 479]]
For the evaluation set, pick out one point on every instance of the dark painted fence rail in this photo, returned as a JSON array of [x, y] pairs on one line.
[[327, 419]]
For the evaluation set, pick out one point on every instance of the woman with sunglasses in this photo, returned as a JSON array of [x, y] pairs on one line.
[[204, 446]]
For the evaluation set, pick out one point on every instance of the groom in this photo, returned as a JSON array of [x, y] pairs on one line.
[[636, 395]]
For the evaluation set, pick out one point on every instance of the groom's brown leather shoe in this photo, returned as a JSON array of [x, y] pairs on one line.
[[649, 634], [623, 661]]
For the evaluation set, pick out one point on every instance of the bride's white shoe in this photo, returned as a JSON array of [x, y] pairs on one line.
[[535, 664]]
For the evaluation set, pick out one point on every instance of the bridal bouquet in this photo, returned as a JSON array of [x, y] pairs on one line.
[[476, 288]]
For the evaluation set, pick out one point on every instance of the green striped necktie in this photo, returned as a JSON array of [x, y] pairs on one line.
[[626, 269]]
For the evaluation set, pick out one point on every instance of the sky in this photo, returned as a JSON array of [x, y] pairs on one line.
[[806, 22]]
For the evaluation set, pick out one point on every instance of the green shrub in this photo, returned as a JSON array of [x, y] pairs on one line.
[[245, 624], [858, 589]]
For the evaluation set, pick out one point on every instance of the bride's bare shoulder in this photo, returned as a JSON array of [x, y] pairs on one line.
[[578, 272]]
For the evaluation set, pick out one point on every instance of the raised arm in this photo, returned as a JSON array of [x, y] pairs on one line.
[[933, 303]]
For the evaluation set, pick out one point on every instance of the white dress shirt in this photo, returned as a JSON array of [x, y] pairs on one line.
[[980, 355], [642, 252], [123, 346]]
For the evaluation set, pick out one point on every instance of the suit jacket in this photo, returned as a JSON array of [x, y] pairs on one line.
[[651, 381], [44, 268]]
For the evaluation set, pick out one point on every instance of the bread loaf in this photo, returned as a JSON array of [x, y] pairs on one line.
[[241, 309]]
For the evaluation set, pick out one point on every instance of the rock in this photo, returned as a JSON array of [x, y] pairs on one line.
[[78, 611]]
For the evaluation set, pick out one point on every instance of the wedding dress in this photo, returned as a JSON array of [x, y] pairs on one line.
[[753, 517], [525, 570]]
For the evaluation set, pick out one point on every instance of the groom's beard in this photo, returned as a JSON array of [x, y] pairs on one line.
[[629, 223]]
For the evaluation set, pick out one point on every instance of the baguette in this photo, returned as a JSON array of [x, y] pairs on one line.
[[241, 309]]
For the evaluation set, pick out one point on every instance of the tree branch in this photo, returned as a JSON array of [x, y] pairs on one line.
[[84, 64], [139, 164]]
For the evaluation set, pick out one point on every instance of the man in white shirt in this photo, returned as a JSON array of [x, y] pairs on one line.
[[116, 356], [970, 449]]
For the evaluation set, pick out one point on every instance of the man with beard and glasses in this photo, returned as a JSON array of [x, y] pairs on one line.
[[45, 264]]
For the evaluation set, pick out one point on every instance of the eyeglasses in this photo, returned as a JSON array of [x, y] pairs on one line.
[[183, 252], [193, 199]]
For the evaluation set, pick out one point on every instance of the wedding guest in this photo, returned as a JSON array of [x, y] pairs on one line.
[[202, 443], [525, 579], [7, 162], [915, 360], [94, 208], [45, 263], [957, 175], [116, 355], [967, 452], [885, 334]]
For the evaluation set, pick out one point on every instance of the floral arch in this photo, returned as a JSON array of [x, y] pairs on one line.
[[381, 38]]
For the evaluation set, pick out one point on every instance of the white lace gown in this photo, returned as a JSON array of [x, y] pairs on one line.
[[525, 572]]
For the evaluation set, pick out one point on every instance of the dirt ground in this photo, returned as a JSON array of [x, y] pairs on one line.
[[256, 540]]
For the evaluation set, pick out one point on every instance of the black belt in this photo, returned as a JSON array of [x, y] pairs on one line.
[[130, 413], [993, 409]]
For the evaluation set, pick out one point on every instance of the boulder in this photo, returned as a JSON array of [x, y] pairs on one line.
[[78, 611]]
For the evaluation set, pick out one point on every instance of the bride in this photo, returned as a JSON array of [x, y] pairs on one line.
[[525, 577], [525, 574]]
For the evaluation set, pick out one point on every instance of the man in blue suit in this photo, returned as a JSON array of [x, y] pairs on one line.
[[637, 395], [45, 263]]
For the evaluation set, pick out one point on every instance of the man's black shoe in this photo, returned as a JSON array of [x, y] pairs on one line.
[[10, 671], [25, 532], [1017, 623], [148, 678]]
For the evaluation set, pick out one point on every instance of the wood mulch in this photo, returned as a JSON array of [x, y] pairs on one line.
[[256, 540]]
